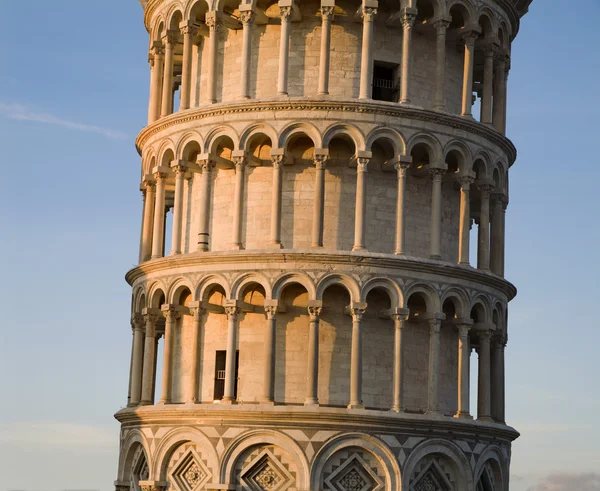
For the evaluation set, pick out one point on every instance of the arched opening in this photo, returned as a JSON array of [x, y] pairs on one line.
[[449, 355], [158, 299], [222, 185], [478, 317], [183, 337], [291, 348], [482, 45], [479, 169], [136, 467], [335, 341]]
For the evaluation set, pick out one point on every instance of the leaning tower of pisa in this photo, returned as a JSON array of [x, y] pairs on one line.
[[320, 290]]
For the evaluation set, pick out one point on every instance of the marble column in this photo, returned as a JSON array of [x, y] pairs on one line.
[[207, 165], [502, 238], [171, 317], [496, 235], [408, 19], [180, 171], [488, 83], [326, 17], [170, 41], [402, 169], [284, 50], [465, 219], [276, 197], [268, 396], [238, 202], [497, 379], [157, 62], [146, 251], [312, 371], [498, 117], [319, 206], [441, 28], [159, 215], [435, 245], [434, 365], [356, 363], [213, 23], [137, 360], [197, 313], [400, 316], [464, 358], [366, 61], [233, 313], [188, 32], [483, 238], [247, 18], [360, 214], [467, 92], [149, 359], [484, 377]]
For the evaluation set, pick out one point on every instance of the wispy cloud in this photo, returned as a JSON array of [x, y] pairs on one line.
[[52, 434], [568, 482], [20, 112]]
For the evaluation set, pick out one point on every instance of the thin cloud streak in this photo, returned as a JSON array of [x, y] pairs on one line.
[[569, 482], [19, 112]]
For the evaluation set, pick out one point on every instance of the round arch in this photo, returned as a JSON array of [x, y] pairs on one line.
[[393, 136], [299, 128], [338, 279], [216, 133], [256, 129], [294, 278], [391, 288], [460, 299], [348, 130], [176, 288], [485, 305], [432, 299], [209, 282], [248, 278], [429, 141], [155, 293], [493, 454], [191, 137], [133, 439]]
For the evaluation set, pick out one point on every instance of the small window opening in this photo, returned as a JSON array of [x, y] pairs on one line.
[[220, 364], [385, 81]]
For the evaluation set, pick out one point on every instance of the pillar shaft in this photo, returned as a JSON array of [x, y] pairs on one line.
[[230, 362], [488, 84], [137, 360], [312, 372], [146, 250], [399, 320], [157, 60], [148, 372], [498, 118], [170, 41], [467, 92], [366, 59], [247, 18], [326, 15], [435, 244], [463, 371], [483, 238], [408, 19], [441, 27], [496, 234], [204, 211], [434, 366], [213, 23], [270, 350], [402, 169], [193, 396], [484, 378], [497, 378], [180, 171], [319, 206], [188, 33], [465, 219], [276, 200], [284, 50], [356, 364], [171, 317], [238, 203], [360, 216], [159, 216]]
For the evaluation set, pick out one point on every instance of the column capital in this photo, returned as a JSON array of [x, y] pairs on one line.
[[485, 186], [357, 310], [206, 162], [212, 20], [188, 28], [400, 314], [362, 163], [170, 37], [277, 159], [138, 322], [368, 13], [438, 171], [148, 181], [484, 336], [232, 309], [466, 180], [441, 23], [327, 11], [491, 47], [314, 309], [247, 17], [179, 166], [197, 310], [402, 163], [154, 485], [270, 311], [170, 312], [464, 328], [286, 12], [321, 157], [408, 17]]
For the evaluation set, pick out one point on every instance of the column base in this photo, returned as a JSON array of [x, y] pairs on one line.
[[155, 257], [313, 246], [146, 403], [466, 263], [468, 116], [311, 402], [486, 419], [439, 108], [192, 401], [431, 412], [356, 405], [399, 253], [228, 400], [435, 256], [202, 248], [267, 402], [237, 247], [359, 249], [134, 404], [462, 415], [397, 409], [275, 245], [175, 253], [163, 403]]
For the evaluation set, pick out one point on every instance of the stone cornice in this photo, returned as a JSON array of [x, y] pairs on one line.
[[389, 261], [302, 417], [353, 105]]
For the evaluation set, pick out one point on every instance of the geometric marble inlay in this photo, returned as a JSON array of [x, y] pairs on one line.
[[354, 475], [266, 473], [191, 473], [431, 479]]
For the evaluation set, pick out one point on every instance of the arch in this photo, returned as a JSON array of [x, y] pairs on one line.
[[492, 454], [347, 130], [133, 439], [465, 161], [430, 142], [484, 304], [263, 437], [391, 288], [440, 447], [255, 129], [369, 443], [430, 296], [156, 293], [282, 282], [139, 299], [438, 9], [188, 140], [460, 300], [393, 136], [339, 279], [174, 439], [196, 9], [292, 129], [213, 137], [177, 288], [174, 14], [468, 7], [157, 30], [247, 278], [165, 151], [504, 35], [489, 25], [209, 282], [481, 165]]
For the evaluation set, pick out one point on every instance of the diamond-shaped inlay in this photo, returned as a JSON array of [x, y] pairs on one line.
[[266, 473], [190, 473], [432, 479], [354, 475]]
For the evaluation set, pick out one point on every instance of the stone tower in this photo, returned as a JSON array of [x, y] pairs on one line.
[[306, 300]]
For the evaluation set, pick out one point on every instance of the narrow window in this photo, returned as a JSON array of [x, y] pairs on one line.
[[220, 363], [385, 81]]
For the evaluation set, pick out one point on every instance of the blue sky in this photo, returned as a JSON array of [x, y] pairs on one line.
[[73, 96]]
